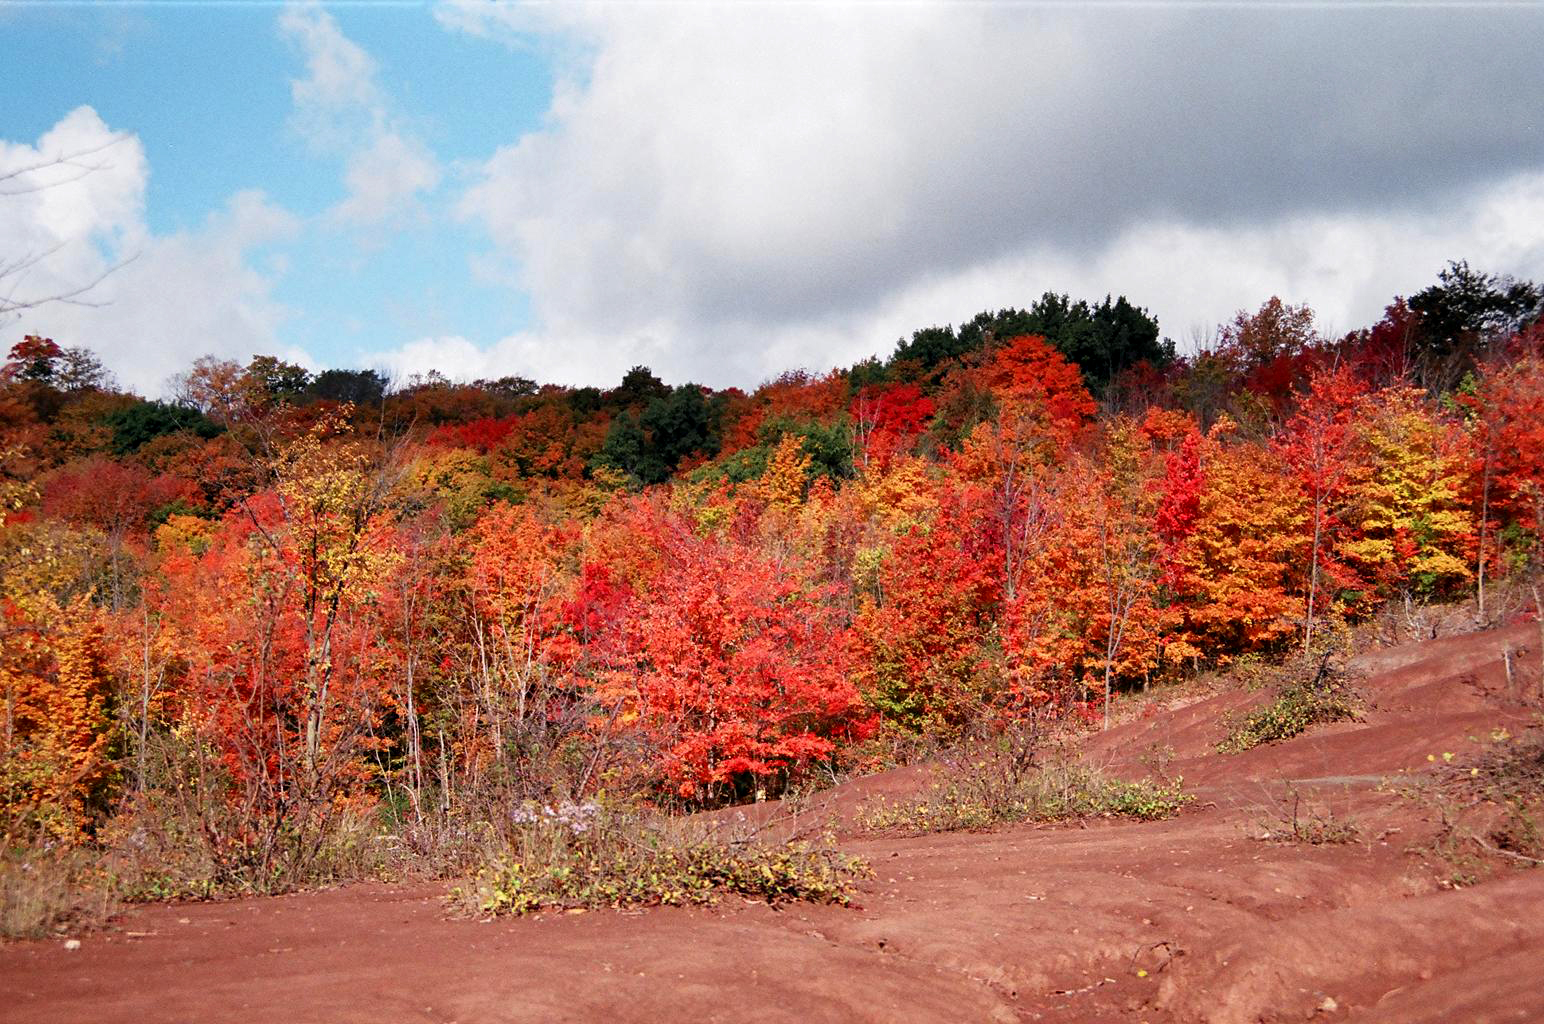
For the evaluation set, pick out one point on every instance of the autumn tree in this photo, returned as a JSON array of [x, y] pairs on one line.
[[734, 671], [1316, 446], [1233, 551], [1410, 532]]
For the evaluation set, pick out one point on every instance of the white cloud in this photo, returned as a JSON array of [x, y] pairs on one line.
[[164, 300], [735, 190], [340, 107], [340, 81], [381, 177]]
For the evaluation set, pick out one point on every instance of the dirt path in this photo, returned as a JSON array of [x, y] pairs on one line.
[[1193, 919]]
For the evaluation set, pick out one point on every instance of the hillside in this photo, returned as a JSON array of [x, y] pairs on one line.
[[1195, 918]]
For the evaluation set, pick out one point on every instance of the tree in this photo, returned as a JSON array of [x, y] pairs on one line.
[[1508, 407], [1410, 532], [639, 387], [924, 658], [274, 379], [1253, 341], [143, 422], [887, 422], [33, 359], [1316, 446], [357, 387], [520, 652], [1464, 313], [734, 671], [1102, 339], [1231, 571]]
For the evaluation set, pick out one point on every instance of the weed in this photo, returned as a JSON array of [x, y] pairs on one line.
[[1295, 823], [979, 795], [46, 889], [1507, 786], [1298, 707], [589, 855]]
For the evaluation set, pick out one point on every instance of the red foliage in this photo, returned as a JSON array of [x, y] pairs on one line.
[[887, 422], [733, 670]]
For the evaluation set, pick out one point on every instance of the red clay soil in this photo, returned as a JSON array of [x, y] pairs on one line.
[[1192, 919]]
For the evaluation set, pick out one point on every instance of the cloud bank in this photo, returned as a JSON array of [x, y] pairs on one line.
[[737, 189], [726, 191]]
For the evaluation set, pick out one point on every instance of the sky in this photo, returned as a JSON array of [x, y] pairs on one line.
[[726, 191]]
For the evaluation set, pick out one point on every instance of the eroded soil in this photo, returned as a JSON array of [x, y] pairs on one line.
[[1192, 919]]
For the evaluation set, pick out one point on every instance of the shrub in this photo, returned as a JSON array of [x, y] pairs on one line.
[[1298, 707], [49, 888], [587, 855], [1296, 824], [981, 793], [1507, 787]]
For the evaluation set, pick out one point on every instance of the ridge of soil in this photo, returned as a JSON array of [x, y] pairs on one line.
[[1193, 919]]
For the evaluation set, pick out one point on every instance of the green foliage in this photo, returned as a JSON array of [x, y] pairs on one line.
[[1102, 338], [1466, 303], [277, 378], [623, 449], [682, 423], [828, 445], [1297, 708], [139, 424], [359, 387], [980, 795], [929, 347], [676, 424], [587, 856]]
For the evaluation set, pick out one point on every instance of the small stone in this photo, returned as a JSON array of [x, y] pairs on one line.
[[1329, 1005], [72, 944]]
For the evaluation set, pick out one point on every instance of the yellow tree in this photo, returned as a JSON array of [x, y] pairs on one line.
[[1410, 530], [54, 680], [330, 544]]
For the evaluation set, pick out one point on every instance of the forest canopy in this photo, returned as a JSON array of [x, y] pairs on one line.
[[277, 594]]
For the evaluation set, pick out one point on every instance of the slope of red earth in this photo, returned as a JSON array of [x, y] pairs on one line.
[[1192, 919]]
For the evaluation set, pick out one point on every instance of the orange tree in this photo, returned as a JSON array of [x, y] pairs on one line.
[[731, 670]]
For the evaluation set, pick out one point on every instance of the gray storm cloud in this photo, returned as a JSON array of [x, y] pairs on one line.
[[710, 173]]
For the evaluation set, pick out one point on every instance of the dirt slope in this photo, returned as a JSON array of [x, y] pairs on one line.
[[1193, 919]]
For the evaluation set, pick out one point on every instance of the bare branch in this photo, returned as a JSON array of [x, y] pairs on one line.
[[71, 160]]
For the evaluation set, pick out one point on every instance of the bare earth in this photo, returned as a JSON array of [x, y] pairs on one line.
[[1193, 919]]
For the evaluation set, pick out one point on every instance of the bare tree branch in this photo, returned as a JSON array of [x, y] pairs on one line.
[[71, 160], [14, 270]]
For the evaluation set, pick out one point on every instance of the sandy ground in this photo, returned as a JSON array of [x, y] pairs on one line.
[[1192, 919]]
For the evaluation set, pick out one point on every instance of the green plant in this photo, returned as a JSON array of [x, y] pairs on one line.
[[1298, 707], [589, 855], [981, 796]]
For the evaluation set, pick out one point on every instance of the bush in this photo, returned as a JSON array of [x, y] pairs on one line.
[[166, 846], [587, 855], [998, 786], [1507, 785], [1295, 823], [46, 889], [1297, 708]]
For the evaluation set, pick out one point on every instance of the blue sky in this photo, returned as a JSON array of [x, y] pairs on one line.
[[198, 85], [725, 191]]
